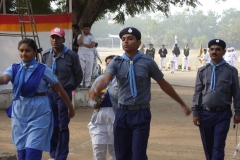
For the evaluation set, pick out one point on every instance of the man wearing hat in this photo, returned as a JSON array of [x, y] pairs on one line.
[[65, 64], [150, 50], [216, 85], [163, 53], [133, 71]]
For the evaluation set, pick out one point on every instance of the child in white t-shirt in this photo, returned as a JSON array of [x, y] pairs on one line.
[[172, 60]]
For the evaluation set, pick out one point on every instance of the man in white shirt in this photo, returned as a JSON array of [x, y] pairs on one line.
[[96, 56], [228, 56], [205, 57], [234, 56], [86, 42]]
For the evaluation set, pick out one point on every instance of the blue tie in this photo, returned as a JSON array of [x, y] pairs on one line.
[[18, 80], [213, 78], [132, 73], [54, 64]]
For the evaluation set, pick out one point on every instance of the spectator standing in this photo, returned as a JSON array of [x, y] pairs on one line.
[[205, 57], [185, 57], [177, 53], [86, 42], [142, 49], [172, 60], [228, 56], [163, 53], [75, 31], [96, 56], [150, 50], [234, 56]]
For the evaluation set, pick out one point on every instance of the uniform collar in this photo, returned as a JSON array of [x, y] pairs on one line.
[[61, 54]]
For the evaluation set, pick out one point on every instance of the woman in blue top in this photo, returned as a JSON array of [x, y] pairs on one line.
[[31, 115]]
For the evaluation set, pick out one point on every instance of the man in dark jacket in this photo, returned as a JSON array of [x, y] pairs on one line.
[[162, 52], [177, 53]]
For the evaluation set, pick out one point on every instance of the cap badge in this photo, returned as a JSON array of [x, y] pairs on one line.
[[217, 40], [129, 30], [57, 30]]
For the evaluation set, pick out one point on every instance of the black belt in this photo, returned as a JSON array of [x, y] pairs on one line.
[[215, 109], [133, 107], [36, 94], [66, 89]]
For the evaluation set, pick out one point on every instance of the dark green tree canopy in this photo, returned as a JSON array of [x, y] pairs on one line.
[[38, 6], [89, 11]]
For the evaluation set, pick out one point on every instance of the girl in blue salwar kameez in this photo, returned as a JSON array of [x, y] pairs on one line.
[[31, 115]]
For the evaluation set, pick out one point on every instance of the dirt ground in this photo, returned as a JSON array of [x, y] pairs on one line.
[[172, 137]]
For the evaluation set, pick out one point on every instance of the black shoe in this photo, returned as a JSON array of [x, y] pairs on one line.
[[80, 86], [88, 86]]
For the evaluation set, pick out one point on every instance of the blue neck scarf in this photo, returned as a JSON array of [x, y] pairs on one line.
[[54, 64], [19, 78], [213, 78], [132, 73]]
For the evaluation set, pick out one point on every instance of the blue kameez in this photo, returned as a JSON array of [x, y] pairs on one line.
[[32, 119]]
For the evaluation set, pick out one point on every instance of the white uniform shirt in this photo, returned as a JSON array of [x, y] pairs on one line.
[[172, 58], [228, 57], [87, 39], [205, 58], [95, 53], [234, 56]]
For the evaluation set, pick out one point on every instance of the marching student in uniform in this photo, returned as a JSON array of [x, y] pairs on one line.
[[216, 88], [31, 114], [86, 42], [66, 66], [185, 57], [172, 60], [133, 72], [101, 124]]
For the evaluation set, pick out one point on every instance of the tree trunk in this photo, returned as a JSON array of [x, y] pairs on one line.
[[86, 12]]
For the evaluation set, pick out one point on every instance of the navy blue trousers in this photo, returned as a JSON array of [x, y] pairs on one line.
[[60, 139], [131, 132], [214, 127], [29, 154]]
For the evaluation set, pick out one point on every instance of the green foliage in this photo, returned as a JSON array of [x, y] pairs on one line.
[[62, 6], [200, 40], [38, 6], [124, 8], [193, 27]]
